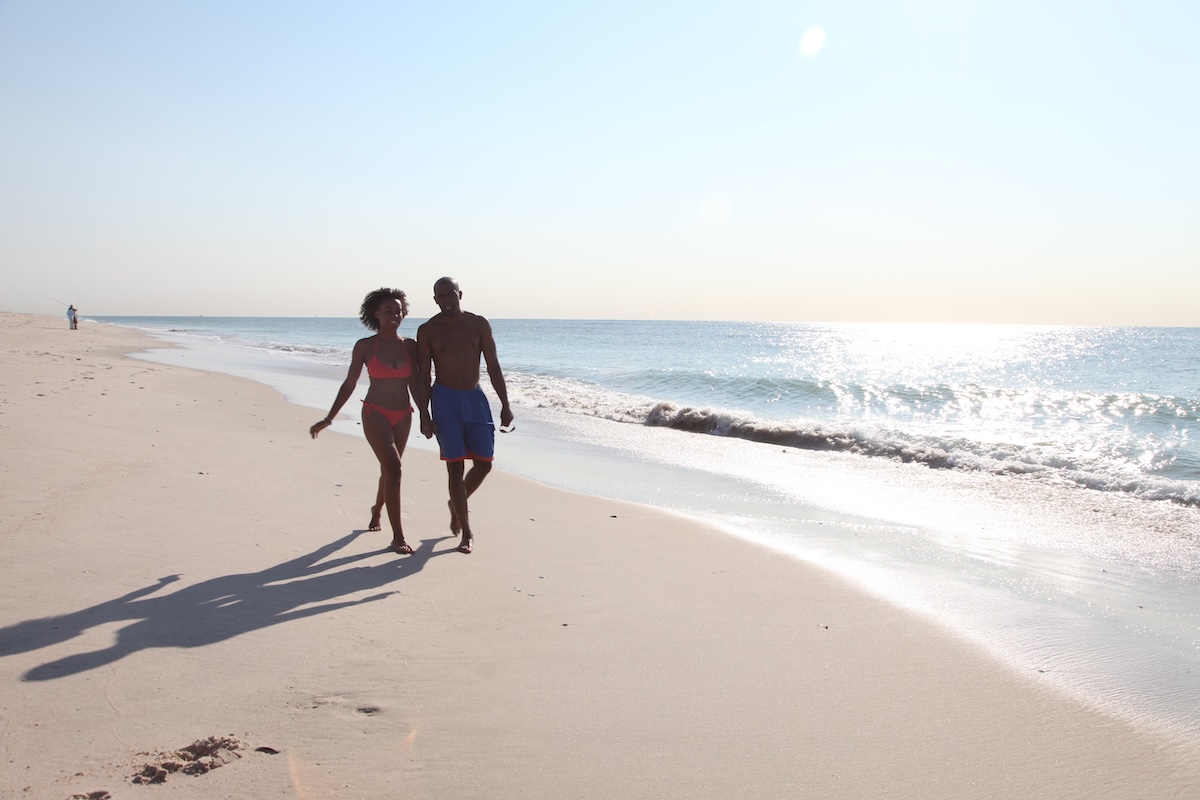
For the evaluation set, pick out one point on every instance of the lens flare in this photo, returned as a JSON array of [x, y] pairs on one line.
[[812, 42]]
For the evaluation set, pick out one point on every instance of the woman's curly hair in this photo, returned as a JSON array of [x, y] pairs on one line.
[[372, 301]]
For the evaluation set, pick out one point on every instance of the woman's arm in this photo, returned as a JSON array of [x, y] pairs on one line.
[[347, 388], [424, 379], [418, 387]]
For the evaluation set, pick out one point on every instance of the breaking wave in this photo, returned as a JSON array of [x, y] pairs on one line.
[[1096, 468]]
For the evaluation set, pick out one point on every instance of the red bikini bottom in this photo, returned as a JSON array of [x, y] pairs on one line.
[[390, 414]]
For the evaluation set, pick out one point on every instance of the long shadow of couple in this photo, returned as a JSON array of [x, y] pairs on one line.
[[216, 609]]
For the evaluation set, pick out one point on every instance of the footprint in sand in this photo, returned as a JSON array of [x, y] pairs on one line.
[[199, 757]]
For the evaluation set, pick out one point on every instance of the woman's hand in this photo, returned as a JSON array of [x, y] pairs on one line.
[[320, 426]]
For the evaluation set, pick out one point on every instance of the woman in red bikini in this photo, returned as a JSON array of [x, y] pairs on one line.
[[387, 413]]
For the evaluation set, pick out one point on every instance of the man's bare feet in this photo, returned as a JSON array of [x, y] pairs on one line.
[[401, 547], [374, 524], [468, 544], [455, 528]]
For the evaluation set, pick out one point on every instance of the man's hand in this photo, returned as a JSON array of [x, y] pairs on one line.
[[427, 427], [506, 418]]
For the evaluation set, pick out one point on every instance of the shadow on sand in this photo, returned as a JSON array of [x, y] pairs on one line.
[[216, 609]]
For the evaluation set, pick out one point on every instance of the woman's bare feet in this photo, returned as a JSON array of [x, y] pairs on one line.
[[400, 547], [374, 524], [468, 544]]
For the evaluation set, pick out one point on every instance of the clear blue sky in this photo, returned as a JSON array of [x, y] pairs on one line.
[[924, 160]]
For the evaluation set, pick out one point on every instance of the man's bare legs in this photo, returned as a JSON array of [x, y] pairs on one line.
[[388, 443], [461, 488]]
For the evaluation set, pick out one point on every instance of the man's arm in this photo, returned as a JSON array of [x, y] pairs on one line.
[[422, 381], [487, 344]]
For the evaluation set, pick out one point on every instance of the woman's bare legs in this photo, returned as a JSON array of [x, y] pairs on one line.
[[377, 509], [388, 442]]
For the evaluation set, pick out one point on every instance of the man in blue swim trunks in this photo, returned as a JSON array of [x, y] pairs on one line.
[[452, 342]]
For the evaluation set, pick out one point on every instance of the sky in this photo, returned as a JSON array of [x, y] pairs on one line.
[[912, 160]]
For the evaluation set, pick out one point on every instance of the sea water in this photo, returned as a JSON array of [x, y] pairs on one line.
[[1037, 489]]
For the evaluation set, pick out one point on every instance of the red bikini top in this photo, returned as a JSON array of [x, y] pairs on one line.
[[376, 368]]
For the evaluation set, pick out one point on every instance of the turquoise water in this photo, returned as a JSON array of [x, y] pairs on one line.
[[1035, 488]]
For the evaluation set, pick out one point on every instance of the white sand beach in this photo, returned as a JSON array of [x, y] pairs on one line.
[[184, 562]]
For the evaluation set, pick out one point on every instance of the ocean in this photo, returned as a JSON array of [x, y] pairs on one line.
[[1035, 489]]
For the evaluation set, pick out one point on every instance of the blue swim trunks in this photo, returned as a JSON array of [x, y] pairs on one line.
[[464, 423]]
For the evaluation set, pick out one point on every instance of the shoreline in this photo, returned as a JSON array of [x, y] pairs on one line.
[[187, 563], [1050, 585]]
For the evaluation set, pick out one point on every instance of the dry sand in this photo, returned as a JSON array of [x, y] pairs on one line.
[[184, 562]]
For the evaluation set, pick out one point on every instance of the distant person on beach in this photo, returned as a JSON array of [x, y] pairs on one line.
[[72, 317], [392, 366], [448, 348]]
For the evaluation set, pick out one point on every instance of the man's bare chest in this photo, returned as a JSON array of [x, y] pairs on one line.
[[453, 342]]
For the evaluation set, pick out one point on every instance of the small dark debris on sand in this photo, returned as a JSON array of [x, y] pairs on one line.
[[197, 758], [99, 795]]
